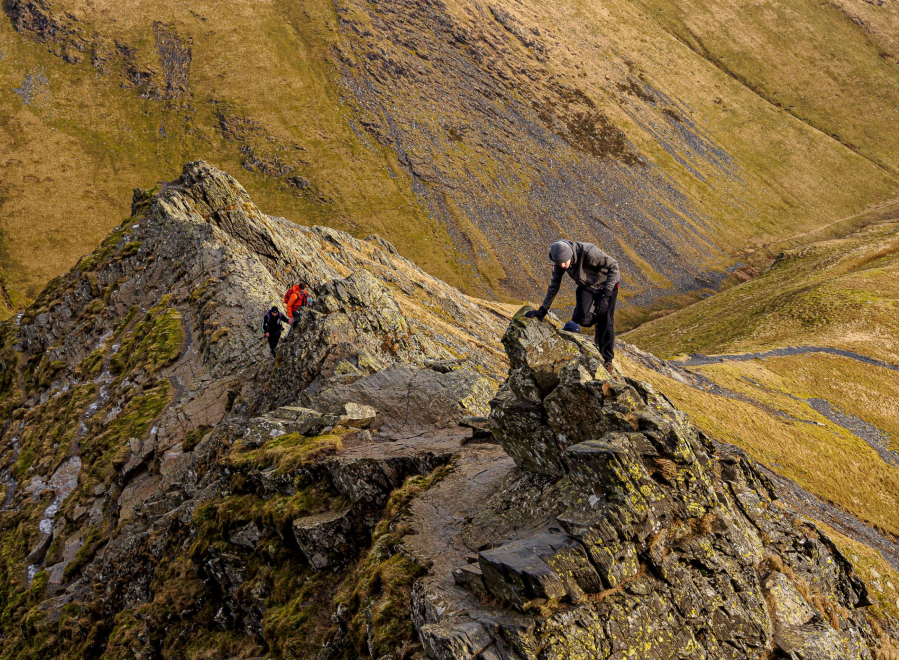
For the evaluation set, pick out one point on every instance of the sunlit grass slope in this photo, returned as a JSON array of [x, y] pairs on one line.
[[842, 293], [782, 431], [285, 89], [820, 61]]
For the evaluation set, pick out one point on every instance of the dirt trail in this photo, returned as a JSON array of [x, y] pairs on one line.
[[700, 360], [815, 230], [878, 440], [438, 518]]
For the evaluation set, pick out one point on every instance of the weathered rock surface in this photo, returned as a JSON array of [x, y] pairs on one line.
[[623, 532], [150, 447]]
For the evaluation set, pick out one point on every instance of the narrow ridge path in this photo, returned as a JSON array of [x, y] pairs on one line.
[[700, 360]]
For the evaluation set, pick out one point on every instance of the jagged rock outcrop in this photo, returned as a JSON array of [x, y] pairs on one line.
[[624, 532], [169, 487]]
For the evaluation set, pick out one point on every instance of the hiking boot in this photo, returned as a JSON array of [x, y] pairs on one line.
[[610, 368]]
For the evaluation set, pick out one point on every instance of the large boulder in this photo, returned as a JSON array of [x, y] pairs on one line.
[[553, 397], [327, 539]]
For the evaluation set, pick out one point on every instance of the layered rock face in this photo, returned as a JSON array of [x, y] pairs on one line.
[[626, 533], [164, 479]]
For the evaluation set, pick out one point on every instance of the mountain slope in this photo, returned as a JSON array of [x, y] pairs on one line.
[[168, 490], [839, 292], [468, 135], [831, 65], [805, 355]]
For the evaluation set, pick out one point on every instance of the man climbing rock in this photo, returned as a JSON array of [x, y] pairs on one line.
[[596, 275], [296, 297], [271, 326]]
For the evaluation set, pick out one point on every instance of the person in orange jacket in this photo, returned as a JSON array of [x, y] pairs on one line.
[[295, 298]]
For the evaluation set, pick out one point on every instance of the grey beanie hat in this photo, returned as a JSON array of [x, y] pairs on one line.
[[560, 252]]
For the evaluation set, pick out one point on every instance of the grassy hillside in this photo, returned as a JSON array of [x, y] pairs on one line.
[[823, 63], [260, 92], [841, 292], [469, 135]]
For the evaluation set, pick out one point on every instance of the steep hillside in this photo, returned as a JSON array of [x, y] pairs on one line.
[[467, 134], [841, 292], [394, 485]]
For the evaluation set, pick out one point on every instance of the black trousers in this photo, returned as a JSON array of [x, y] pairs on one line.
[[273, 342], [605, 323]]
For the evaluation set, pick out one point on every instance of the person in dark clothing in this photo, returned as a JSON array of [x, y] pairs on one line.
[[596, 275], [271, 326]]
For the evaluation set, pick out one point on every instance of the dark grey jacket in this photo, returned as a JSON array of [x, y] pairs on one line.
[[590, 268]]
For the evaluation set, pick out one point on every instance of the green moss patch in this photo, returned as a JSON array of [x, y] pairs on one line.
[[106, 441], [107, 248], [155, 341], [288, 452], [193, 437], [92, 540], [50, 430]]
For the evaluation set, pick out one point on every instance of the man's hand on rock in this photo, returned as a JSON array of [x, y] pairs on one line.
[[266, 334], [536, 313]]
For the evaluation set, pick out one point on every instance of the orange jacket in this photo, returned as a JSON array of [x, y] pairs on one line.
[[294, 299]]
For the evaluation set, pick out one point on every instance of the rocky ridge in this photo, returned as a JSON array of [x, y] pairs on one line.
[[138, 390], [169, 491]]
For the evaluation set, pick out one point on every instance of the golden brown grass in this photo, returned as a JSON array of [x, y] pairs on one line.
[[73, 159], [887, 648], [770, 146], [73, 156], [288, 452], [605, 593], [838, 292], [868, 392], [805, 57]]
